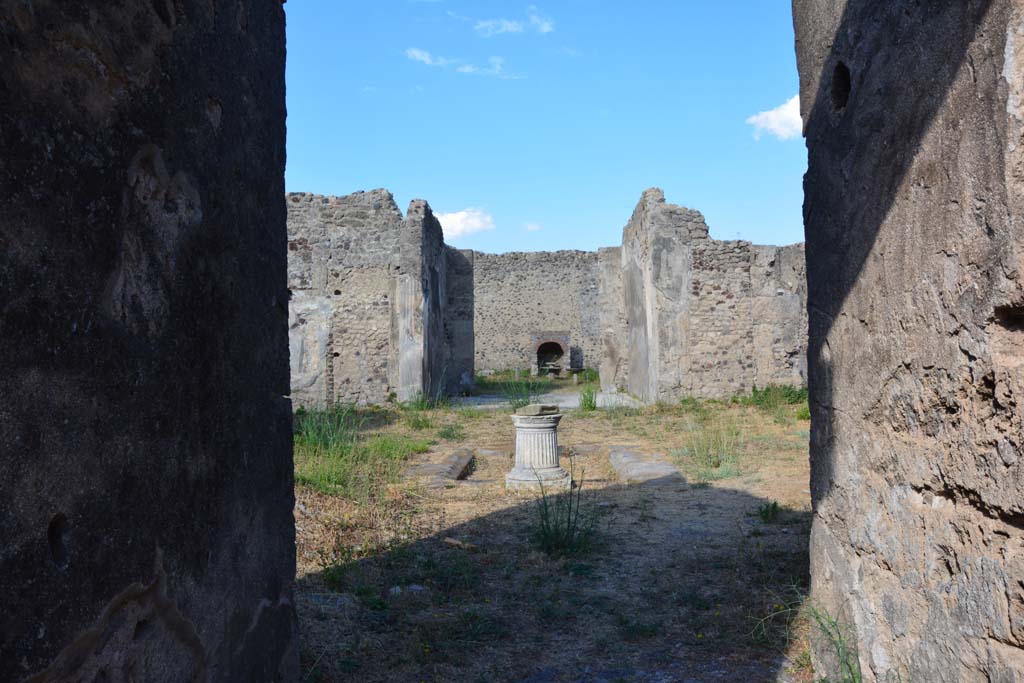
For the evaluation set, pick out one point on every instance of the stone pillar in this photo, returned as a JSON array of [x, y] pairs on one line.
[[913, 203], [146, 489], [536, 464]]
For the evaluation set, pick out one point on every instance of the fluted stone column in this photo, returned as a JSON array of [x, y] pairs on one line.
[[536, 464]]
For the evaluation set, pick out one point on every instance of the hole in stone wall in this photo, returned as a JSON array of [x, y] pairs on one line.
[[549, 357], [57, 534], [141, 629], [840, 87], [337, 292]]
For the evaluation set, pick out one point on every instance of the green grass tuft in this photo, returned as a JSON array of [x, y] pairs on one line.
[[332, 456], [566, 524], [588, 400], [452, 432], [769, 512]]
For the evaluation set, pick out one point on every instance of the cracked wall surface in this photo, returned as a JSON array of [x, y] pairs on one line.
[[145, 436], [912, 203]]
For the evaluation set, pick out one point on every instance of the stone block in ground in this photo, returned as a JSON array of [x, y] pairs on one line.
[[634, 467], [441, 473], [495, 453]]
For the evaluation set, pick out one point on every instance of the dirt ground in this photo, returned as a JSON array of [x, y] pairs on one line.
[[695, 581]]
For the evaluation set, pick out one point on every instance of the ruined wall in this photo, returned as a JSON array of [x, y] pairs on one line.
[[912, 198], [519, 293], [778, 287], [343, 260], [145, 437], [701, 317], [420, 306], [368, 299], [381, 306]]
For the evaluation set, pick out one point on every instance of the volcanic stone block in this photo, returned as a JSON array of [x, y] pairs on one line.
[[913, 198], [145, 437]]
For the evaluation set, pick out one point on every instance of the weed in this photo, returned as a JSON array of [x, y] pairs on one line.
[[694, 407], [769, 512], [590, 376], [841, 646], [565, 527], [713, 448], [452, 432], [803, 412], [523, 392], [418, 402], [418, 421], [469, 414], [784, 612], [588, 400], [332, 457], [775, 394], [421, 401]]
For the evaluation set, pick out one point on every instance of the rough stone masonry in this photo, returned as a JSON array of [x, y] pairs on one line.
[[146, 529], [671, 313], [914, 121]]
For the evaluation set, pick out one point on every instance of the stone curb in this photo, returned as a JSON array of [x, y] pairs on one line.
[[638, 468]]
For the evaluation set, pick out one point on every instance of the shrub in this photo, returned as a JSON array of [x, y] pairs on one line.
[[590, 376], [803, 412], [588, 400]]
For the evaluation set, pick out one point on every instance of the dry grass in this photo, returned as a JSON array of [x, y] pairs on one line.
[[448, 585]]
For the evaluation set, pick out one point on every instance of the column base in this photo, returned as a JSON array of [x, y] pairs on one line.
[[550, 481]]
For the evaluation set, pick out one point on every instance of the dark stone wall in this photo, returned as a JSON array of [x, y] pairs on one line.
[[460, 340], [145, 445], [913, 198]]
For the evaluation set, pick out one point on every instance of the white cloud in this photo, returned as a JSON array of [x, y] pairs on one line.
[[495, 65], [533, 227], [465, 222], [493, 27], [783, 122], [424, 57], [540, 22], [496, 68]]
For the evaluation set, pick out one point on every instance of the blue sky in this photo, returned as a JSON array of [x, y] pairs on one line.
[[537, 126]]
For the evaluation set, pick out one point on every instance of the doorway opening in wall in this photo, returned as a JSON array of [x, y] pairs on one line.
[[549, 358], [534, 275]]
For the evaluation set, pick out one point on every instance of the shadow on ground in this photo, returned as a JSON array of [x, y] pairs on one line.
[[685, 583]]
